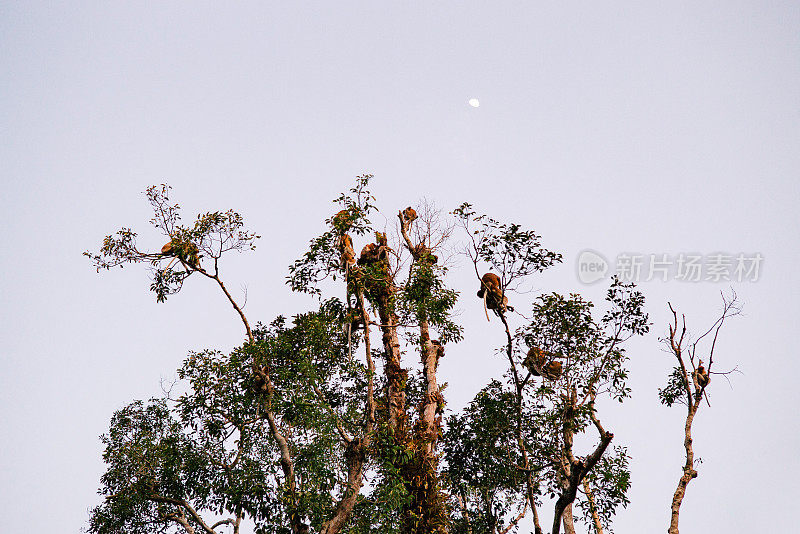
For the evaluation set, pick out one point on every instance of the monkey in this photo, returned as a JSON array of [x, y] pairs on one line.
[[371, 253], [439, 348], [185, 251], [552, 371], [424, 253], [376, 274], [537, 363], [702, 376], [408, 215], [535, 360], [259, 380], [302, 528], [491, 291], [374, 252], [348, 254]]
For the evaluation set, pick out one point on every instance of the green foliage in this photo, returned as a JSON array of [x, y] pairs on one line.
[[426, 297], [609, 481], [322, 258], [211, 235], [152, 463], [512, 252], [482, 465], [675, 390], [213, 448], [590, 349]]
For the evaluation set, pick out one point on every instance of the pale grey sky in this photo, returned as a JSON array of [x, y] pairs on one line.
[[648, 127]]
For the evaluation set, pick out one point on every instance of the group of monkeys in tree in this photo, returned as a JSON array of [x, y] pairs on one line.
[[373, 252], [538, 362]]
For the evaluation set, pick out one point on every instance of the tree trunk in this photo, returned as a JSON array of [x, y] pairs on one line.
[[518, 386], [355, 450], [568, 520], [355, 455], [598, 525], [689, 472], [428, 511], [396, 376]]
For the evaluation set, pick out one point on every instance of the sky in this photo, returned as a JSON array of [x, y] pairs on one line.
[[632, 128]]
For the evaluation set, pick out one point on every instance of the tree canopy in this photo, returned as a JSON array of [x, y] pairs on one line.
[[318, 423]]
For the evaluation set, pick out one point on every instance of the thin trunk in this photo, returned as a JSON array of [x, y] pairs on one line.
[[689, 472], [513, 522], [536, 525], [287, 464], [430, 361], [355, 453], [182, 521], [568, 520], [427, 498], [573, 475], [233, 303], [396, 376], [598, 526], [518, 386]]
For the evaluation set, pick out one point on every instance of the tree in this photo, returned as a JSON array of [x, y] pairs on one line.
[[311, 425], [687, 385], [577, 358]]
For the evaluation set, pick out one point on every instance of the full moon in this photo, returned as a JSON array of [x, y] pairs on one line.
[[474, 102]]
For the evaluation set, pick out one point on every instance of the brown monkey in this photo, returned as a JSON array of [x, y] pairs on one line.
[[552, 370], [185, 251], [439, 348], [259, 380], [535, 361], [374, 252], [371, 253], [424, 253], [491, 291], [408, 215], [348, 255], [702, 375], [540, 363]]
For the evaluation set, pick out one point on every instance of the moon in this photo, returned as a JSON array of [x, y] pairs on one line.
[[474, 102]]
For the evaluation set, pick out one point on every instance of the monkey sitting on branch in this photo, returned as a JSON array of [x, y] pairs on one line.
[[702, 375], [408, 216], [374, 271], [185, 251], [374, 252], [491, 291], [348, 254], [541, 363]]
